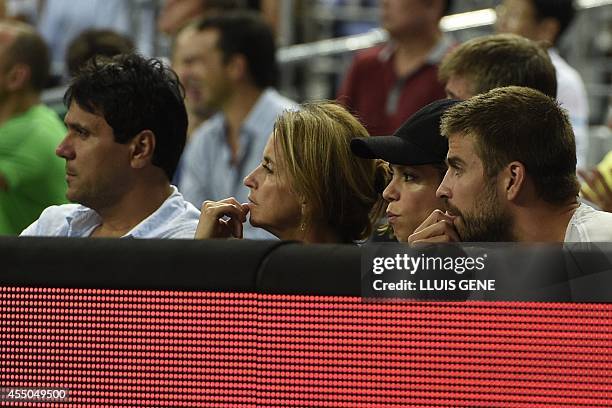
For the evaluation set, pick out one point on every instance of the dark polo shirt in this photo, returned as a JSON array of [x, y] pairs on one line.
[[382, 100]]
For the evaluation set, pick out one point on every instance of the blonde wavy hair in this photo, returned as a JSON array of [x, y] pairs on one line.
[[342, 191]]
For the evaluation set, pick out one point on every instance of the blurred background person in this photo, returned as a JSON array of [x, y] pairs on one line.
[[60, 21], [493, 61], [547, 20], [387, 84], [180, 19], [95, 42], [187, 62], [308, 186], [31, 176]]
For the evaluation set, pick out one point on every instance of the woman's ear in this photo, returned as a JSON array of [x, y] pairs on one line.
[[142, 149]]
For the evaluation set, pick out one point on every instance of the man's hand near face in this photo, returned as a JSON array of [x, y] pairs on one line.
[[437, 228]]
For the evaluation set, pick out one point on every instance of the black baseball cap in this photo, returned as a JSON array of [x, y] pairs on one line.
[[417, 141]]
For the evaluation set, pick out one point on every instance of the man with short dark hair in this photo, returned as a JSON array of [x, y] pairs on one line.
[[546, 21], [31, 177], [237, 72], [493, 61], [512, 174], [126, 130]]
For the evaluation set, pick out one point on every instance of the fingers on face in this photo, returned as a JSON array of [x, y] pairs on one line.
[[438, 227], [228, 207], [435, 217]]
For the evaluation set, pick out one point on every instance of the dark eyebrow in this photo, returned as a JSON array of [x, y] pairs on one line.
[[454, 162], [76, 126], [267, 159]]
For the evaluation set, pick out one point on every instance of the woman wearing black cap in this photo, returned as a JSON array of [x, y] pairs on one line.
[[309, 186], [416, 154]]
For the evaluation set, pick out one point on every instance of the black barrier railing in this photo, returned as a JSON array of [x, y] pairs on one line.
[[504, 272]]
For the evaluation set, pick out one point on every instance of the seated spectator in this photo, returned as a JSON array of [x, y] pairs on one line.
[[237, 75], [416, 154], [493, 61], [512, 174], [126, 129], [476, 66], [387, 84], [547, 20], [31, 177], [91, 43], [308, 186]]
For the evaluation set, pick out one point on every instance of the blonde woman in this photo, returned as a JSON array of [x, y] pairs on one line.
[[309, 186]]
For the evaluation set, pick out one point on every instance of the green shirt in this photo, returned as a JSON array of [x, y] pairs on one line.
[[34, 174]]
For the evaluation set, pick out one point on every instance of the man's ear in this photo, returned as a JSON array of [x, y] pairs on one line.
[[18, 77], [142, 147], [236, 67], [548, 30], [513, 180]]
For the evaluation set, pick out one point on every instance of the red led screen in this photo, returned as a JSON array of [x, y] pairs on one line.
[[136, 348]]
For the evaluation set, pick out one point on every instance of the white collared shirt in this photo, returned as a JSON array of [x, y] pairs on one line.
[[175, 218], [589, 225]]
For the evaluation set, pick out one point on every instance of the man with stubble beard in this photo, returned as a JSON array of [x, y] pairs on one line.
[[511, 175]]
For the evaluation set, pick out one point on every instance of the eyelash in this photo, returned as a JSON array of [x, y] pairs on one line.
[[266, 167], [405, 175], [409, 177]]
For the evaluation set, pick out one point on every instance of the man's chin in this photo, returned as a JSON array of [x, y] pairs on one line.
[[76, 198], [71, 197], [459, 226]]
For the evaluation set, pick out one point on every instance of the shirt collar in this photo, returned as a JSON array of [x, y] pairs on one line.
[[259, 111], [434, 57], [82, 220], [85, 219], [162, 215]]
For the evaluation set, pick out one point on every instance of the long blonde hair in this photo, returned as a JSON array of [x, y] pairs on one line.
[[342, 191]]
